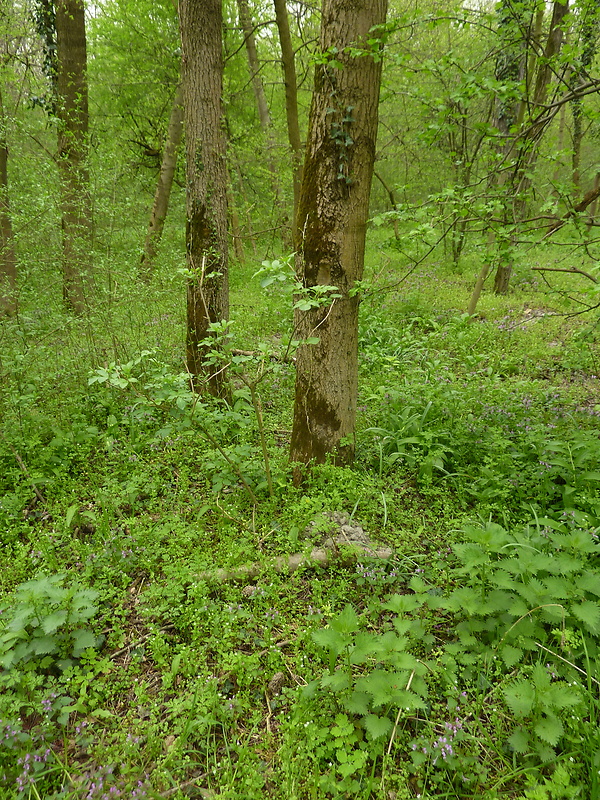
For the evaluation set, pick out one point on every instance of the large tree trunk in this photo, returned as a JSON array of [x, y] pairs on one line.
[[8, 260], [72, 113], [332, 216], [164, 185], [291, 108], [206, 227]]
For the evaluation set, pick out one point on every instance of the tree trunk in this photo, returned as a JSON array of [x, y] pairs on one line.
[[594, 203], [8, 260], [291, 108], [520, 147], [261, 103], [332, 216], [72, 113], [588, 45], [254, 65], [206, 208], [160, 207]]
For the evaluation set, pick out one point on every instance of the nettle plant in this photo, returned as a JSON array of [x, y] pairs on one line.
[[45, 625], [521, 623], [162, 404]]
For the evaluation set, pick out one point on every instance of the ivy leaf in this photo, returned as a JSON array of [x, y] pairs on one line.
[[376, 727]]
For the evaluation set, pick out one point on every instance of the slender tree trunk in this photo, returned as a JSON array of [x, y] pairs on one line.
[[588, 44], [519, 149], [291, 108], [560, 143], [261, 102], [8, 260], [72, 113], [254, 65], [162, 195], [236, 235], [594, 203], [393, 203], [206, 228], [332, 216]]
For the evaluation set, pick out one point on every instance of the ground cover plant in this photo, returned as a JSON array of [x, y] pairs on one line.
[[152, 645]]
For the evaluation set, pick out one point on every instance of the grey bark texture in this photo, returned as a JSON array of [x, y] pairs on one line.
[[206, 180], [332, 219], [72, 113]]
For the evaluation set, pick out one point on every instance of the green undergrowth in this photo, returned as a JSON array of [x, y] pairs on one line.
[[464, 666]]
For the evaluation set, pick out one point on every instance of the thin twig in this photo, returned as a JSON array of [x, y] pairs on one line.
[[395, 728], [556, 655], [572, 270]]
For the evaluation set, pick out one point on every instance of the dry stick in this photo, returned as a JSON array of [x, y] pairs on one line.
[[24, 469], [395, 728], [537, 608], [583, 672]]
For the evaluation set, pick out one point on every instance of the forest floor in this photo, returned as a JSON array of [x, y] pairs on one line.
[[422, 624]]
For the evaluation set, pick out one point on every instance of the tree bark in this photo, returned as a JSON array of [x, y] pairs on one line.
[[72, 113], [519, 148], [206, 207], [8, 259], [261, 103], [164, 185], [332, 217], [254, 65], [291, 108]]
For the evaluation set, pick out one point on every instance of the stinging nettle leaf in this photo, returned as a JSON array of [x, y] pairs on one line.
[[587, 612], [53, 622], [549, 729], [376, 727]]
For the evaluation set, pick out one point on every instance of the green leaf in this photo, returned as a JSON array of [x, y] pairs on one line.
[[52, 622], [587, 612], [376, 726], [511, 655], [358, 703], [520, 697], [550, 729], [519, 740], [71, 511], [44, 644], [82, 639], [403, 603], [337, 681], [346, 622], [330, 639]]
